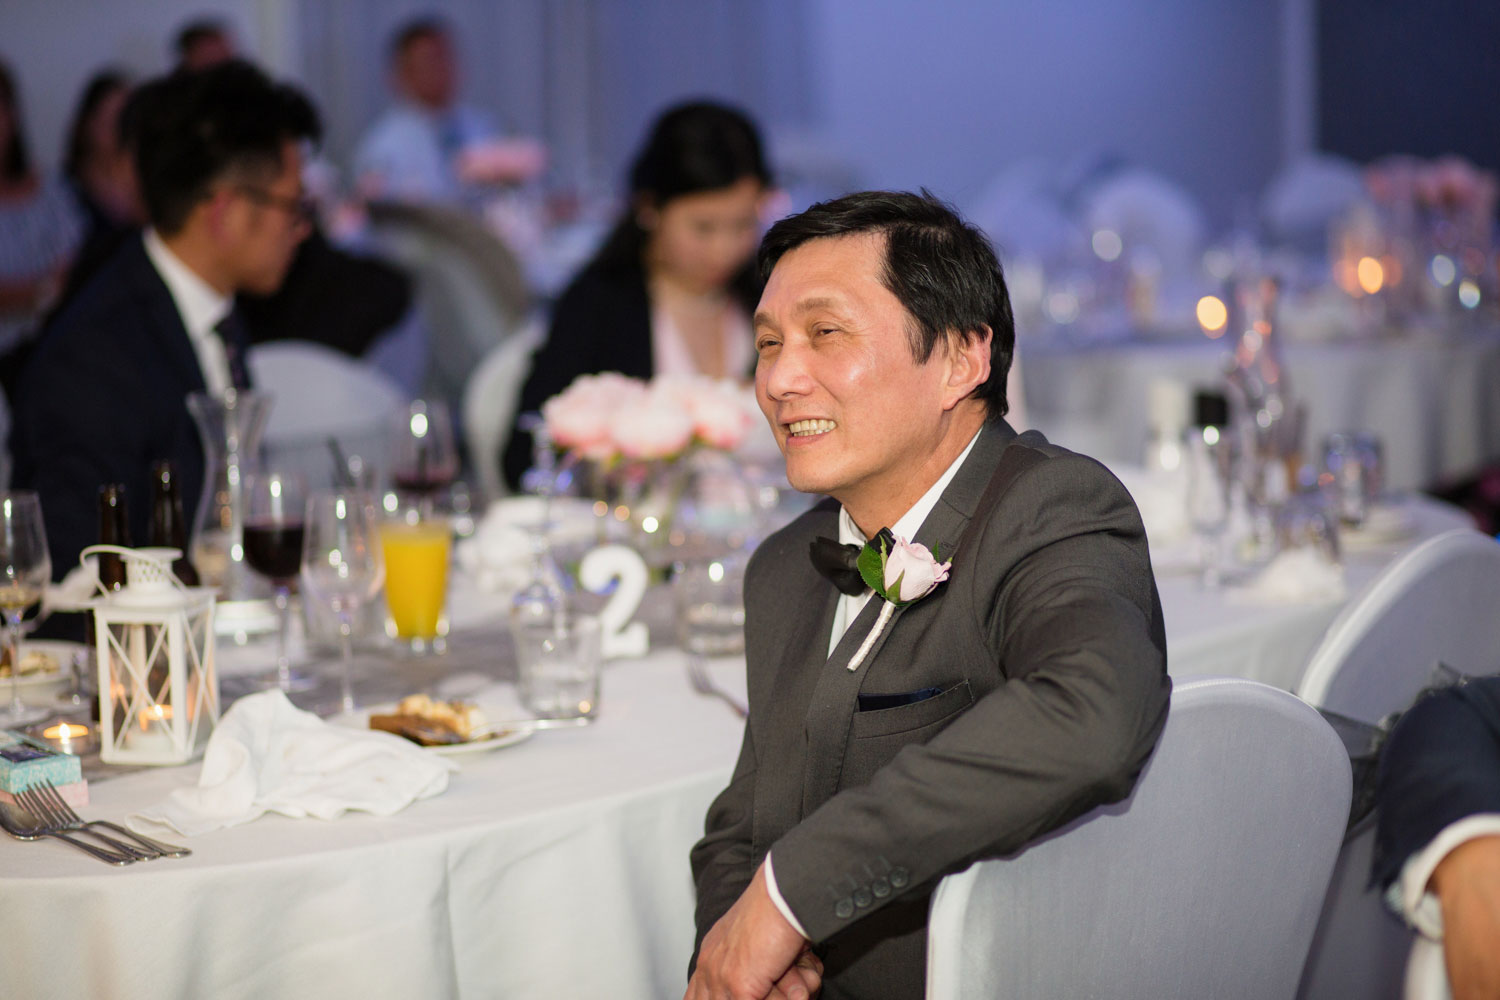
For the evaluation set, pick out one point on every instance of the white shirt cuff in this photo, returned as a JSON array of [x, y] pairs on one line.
[[1408, 895], [775, 894]]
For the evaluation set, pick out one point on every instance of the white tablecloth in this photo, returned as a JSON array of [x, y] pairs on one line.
[[1434, 401], [553, 868]]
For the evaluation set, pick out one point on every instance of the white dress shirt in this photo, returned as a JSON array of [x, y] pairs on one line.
[[850, 606], [201, 307]]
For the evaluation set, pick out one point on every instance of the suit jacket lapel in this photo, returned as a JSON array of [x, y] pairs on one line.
[[831, 708]]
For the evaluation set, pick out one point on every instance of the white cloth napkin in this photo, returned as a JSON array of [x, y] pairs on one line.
[[1296, 576], [267, 755]]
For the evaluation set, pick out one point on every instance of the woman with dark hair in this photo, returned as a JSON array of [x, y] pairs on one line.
[[98, 165], [674, 285], [40, 227]]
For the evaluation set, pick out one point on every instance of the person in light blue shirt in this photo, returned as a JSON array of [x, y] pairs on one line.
[[428, 146]]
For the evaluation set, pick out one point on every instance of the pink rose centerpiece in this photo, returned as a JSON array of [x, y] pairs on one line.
[[641, 437]]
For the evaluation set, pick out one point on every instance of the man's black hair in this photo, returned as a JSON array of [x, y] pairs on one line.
[[15, 160], [415, 30], [943, 271], [197, 31], [190, 130]]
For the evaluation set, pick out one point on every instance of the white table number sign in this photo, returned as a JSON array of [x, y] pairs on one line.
[[625, 568]]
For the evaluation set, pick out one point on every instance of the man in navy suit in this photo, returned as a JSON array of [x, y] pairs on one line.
[[1438, 834], [103, 395]]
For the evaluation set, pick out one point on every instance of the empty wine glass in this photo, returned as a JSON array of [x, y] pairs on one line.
[[424, 459], [342, 566], [25, 568], [275, 506], [1208, 498]]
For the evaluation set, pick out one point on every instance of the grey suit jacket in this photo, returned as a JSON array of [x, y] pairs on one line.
[[1040, 673]]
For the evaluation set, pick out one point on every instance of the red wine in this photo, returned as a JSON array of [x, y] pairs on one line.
[[274, 548], [434, 481]]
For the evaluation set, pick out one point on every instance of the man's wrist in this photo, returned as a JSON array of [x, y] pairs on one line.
[[1415, 888], [778, 900]]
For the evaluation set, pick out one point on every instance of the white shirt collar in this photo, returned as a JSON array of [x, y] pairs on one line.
[[200, 305], [907, 524]]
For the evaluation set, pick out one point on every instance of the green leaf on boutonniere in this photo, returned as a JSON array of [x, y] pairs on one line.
[[871, 565]]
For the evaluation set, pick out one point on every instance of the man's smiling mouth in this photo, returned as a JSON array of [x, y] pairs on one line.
[[807, 428]]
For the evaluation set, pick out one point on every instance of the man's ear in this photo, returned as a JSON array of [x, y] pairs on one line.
[[967, 363]]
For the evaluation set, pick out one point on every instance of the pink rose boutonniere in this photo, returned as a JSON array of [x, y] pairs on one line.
[[900, 573]]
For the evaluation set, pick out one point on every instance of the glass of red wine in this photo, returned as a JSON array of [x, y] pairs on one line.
[[424, 459], [275, 507]]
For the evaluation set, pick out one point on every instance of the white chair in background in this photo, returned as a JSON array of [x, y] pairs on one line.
[[319, 394], [489, 404], [1435, 604], [1205, 882]]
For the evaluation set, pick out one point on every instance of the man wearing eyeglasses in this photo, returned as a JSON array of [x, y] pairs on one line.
[[219, 158]]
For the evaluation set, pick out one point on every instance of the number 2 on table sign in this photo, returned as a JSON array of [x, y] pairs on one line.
[[627, 571]]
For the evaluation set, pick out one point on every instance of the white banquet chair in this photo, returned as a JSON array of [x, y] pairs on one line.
[[489, 404], [1205, 882], [318, 393], [1432, 605]]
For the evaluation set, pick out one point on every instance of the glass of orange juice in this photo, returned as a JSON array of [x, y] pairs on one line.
[[417, 546]]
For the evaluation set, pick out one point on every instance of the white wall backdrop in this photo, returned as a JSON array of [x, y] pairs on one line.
[[900, 93]]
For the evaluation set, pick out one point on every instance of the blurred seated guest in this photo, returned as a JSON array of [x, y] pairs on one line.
[[204, 42], [428, 146], [219, 159], [1438, 838], [101, 171], [40, 228], [343, 300], [674, 286]]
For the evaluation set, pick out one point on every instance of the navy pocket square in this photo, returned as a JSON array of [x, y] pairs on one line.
[[875, 702]]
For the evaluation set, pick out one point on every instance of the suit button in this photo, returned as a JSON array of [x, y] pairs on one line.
[[899, 877], [862, 898], [882, 888], [844, 908]]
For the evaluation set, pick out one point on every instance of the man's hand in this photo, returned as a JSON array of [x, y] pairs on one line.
[[1467, 884], [752, 953]]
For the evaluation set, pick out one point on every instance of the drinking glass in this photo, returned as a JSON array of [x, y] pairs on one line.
[[558, 665], [424, 459], [1209, 468], [25, 568], [275, 504], [417, 546], [342, 566], [711, 606]]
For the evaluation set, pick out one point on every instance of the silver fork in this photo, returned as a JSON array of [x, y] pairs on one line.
[[53, 821], [704, 685], [72, 821], [164, 849], [20, 831]]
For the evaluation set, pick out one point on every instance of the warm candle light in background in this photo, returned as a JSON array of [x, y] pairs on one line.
[[1371, 275], [65, 731], [1212, 315]]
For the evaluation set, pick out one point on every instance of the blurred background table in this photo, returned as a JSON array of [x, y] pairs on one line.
[[1434, 400]]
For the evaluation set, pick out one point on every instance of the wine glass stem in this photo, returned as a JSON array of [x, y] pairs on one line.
[[283, 622], [346, 654], [13, 642]]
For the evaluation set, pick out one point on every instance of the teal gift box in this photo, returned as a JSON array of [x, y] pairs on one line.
[[25, 762]]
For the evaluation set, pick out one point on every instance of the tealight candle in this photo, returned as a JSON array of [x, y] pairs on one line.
[[70, 737], [153, 731]]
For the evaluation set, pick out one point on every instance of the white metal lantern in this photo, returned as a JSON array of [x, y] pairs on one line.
[[158, 689]]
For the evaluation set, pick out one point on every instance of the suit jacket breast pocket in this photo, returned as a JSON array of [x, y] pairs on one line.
[[876, 737]]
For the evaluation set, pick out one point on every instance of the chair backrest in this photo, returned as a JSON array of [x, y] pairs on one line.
[[319, 393], [1434, 604], [1205, 882], [489, 406], [470, 286]]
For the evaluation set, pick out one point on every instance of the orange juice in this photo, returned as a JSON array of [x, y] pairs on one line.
[[416, 575]]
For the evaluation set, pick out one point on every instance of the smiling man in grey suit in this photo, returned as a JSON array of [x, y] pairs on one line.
[[1028, 687]]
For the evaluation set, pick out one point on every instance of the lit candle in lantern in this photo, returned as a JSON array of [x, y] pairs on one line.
[[153, 729]]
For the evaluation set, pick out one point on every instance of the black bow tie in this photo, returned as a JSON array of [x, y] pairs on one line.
[[839, 562]]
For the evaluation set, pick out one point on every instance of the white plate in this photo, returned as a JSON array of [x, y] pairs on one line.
[[59, 650], [510, 737]]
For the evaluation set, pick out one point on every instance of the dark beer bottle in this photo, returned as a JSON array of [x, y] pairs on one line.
[[168, 526], [114, 529]]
